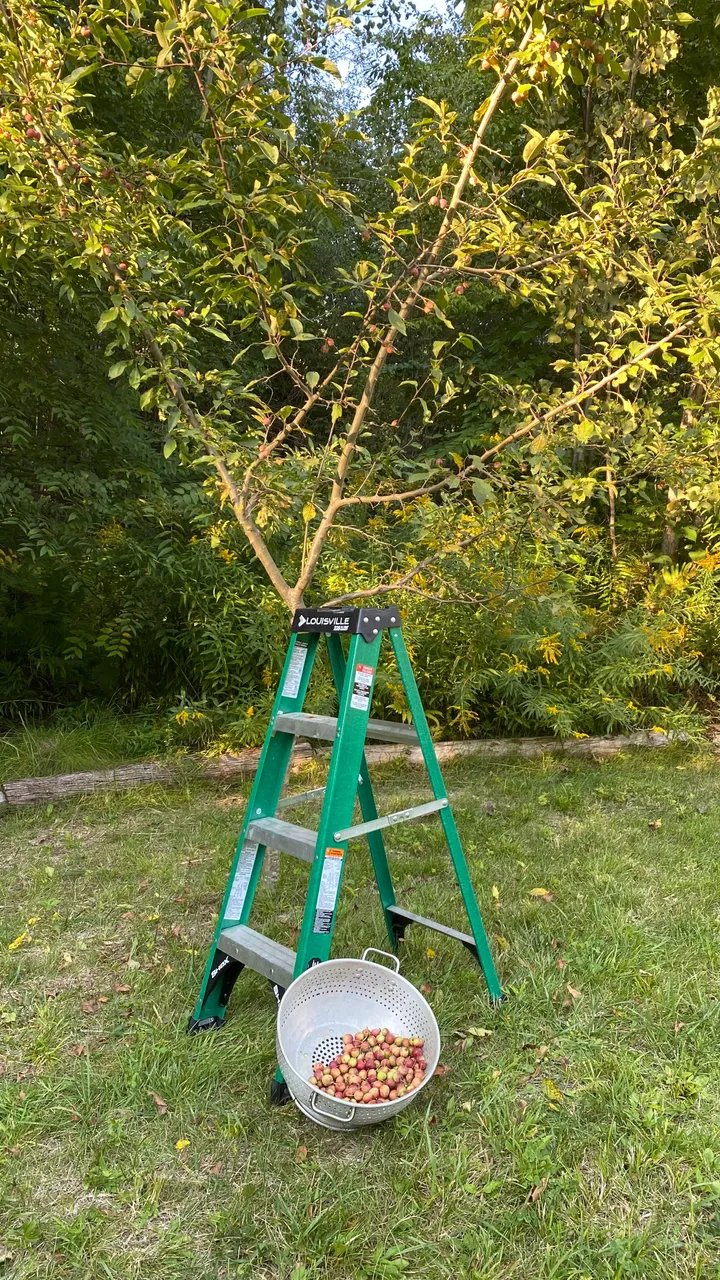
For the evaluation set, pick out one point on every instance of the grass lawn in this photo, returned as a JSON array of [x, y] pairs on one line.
[[577, 1136]]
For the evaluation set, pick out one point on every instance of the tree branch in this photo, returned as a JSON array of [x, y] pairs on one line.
[[378, 363]]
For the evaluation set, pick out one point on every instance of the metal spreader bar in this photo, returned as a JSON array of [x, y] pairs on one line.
[[354, 638], [392, 819]]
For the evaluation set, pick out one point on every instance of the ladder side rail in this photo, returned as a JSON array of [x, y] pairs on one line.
[[368, 807], [452, 837], [247, 863], [341, 790]]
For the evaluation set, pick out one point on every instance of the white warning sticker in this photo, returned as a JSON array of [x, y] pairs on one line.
[[360, 699], [296, 666], [329, 885], [243, 871]]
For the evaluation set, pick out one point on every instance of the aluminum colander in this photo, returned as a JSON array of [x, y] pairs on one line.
[[336, 997]]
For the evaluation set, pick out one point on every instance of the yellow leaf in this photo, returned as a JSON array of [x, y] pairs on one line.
[[495, 893], [538, 893], [551, 1090], [17, 942], [308, 512], [182, 1143], [33, 920], [151, 919], [430, 953]]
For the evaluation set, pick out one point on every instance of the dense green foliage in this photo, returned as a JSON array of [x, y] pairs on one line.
[[568, 579]]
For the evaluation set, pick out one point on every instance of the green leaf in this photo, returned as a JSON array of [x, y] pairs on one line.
[[533, 146], [270, 150], [437, 347], [428, 102], [120, 38], [107, 318], [684, 17], [336, 412], [217, 333], [77, 74], [116, 369], [312, 379], [308, 512], [169, 447], [482, 492], [396, 321], [218, 14]]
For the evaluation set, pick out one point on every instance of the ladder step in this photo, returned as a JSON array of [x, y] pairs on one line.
[[392, 819], [404, 917], [304, 725], [261, 954], [285, 836]]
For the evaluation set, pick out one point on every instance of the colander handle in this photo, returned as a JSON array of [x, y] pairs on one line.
[[332, 1115], [387, 954]]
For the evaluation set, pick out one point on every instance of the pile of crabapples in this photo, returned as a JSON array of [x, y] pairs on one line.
[[375, 1066]]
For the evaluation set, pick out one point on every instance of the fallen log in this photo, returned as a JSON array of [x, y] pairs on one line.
[[243, 765]]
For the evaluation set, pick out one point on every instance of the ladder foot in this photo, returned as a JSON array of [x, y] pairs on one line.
[[196, 1025], [279, 1093]]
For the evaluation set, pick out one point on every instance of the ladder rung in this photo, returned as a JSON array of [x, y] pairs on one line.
[[410, 917], [302, 797], [391, 819], [285, 836], [271, 959], [304, 725]]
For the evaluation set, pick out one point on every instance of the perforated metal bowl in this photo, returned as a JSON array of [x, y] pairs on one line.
[[337, 997]]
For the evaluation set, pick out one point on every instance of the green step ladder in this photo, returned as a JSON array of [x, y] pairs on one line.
[[236, 945]]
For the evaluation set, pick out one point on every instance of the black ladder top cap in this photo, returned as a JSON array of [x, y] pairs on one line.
[[353, 622]]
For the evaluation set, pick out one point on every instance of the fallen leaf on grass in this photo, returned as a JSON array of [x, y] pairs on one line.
[[430, 953], [495, 893], [678, 1027], [18, 942], [301, 1154], [442, 1070], [160, 1103], [6, 1255], [128, 915], [425, 988], [182, 1143], [176, 931], [479, 1033], [216, 1167], [539, 893], [536, 1191], [78, 1050], [655, 825], [561, 964], [576, 995], [89, 1006], [542, 1052], [522, 1106], [489, 807], [122, 988], [551, 1090], [467, 1106]]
